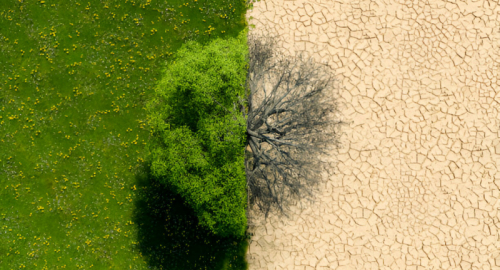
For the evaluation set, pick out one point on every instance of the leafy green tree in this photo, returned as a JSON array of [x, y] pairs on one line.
[[199, 131]]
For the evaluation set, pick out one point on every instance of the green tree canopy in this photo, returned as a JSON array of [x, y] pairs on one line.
[[199, 132]]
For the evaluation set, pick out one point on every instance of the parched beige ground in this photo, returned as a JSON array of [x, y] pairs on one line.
[[417, 184]]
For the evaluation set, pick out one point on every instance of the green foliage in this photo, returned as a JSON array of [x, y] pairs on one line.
[[199, 133], [74, 76]]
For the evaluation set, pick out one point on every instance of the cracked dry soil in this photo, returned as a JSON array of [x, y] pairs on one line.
[[416, 184]]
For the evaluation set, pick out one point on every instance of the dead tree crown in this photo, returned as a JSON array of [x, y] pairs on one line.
[[290, 124]]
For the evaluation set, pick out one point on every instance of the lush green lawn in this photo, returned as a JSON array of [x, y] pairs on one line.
[[74, 190]]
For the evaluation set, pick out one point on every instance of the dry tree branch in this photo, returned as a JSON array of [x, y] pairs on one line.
[[289, 127]]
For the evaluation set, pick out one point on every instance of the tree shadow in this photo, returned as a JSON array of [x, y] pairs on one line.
[[169, 236]]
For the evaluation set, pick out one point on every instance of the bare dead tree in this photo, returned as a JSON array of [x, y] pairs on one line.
[[290, 124]]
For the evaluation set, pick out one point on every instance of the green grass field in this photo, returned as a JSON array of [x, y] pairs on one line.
[[75, 192]]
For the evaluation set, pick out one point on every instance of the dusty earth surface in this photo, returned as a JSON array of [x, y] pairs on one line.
[[416, 184]]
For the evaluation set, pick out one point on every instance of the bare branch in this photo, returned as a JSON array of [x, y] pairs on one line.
[[289, 124]]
